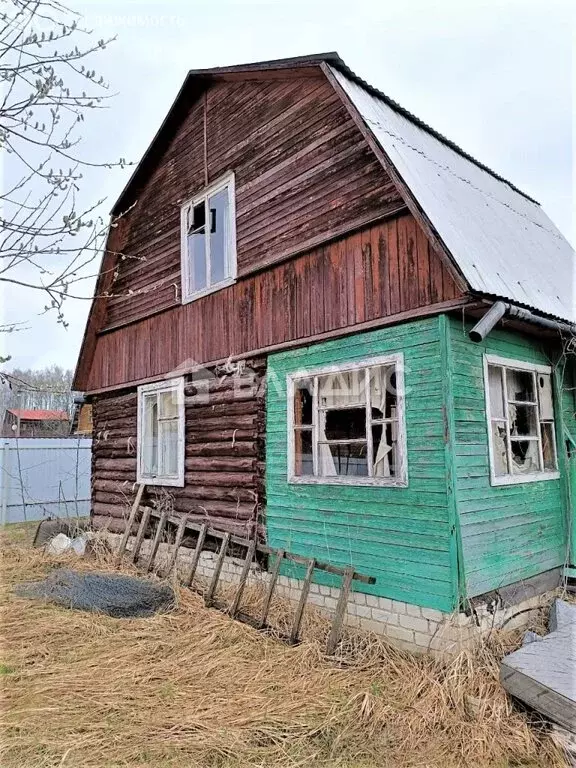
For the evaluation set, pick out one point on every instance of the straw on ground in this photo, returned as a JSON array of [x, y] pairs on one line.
[[195, 688]]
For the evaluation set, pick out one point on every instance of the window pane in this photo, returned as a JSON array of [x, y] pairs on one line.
[[523, 420], [496, 393], [219, 235], [342, 389], [197, 217], [346, 460], [303, 401], [346, 424], [499, 449], [384, 439], [383, 396], [168, 404], [548, 446], [168, 432], [303, 461], [525, 456], [545, 396], [197, 256], [520, 385], [150, 436]]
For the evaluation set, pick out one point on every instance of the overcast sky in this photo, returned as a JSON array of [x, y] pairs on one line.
[[497, 77]]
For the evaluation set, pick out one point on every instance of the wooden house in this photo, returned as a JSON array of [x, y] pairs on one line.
[[321, 323], [34, 422]]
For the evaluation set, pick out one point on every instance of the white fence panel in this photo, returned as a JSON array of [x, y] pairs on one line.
[[44, 477]]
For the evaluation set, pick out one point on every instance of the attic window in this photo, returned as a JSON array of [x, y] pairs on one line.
[[521, 427], [208, 243], [347, 425]]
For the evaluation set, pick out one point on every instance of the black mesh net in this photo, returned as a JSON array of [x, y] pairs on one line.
[[113, 594]]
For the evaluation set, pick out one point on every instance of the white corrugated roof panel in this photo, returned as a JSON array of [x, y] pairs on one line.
[[502, 241]]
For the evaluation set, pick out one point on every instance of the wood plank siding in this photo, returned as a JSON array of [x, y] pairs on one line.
[[403, 536], [302, 170], [509, 533], [224, 465], [381, 271]]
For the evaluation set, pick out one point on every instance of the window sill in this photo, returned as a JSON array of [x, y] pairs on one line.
[[354, 481], [177, 482], [535, 477], [207, 291]]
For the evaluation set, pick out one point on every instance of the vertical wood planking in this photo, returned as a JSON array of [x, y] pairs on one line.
[[141, 533], [156, 542], [250, 551], [177, 543], [130, 523]]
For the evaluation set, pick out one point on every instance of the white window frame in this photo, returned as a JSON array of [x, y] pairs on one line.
[[170, 385], [226, 182], [519, 365], [400, 481]]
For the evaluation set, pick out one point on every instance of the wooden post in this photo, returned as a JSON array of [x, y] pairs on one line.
[[141, 533], [156, 542], [302, 602], [243, 578], [177, 543], [336, 627], [197, 553], [209, 597], [130, 523], [271, 585]]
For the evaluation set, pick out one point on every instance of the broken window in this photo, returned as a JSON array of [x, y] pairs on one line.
[[346, 424], [161, 433], [521, 420], [208, 240]]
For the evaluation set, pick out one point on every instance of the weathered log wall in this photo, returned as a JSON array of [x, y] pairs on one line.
[[224, 444]]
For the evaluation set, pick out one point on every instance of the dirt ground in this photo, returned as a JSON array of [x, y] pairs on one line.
[[195, 689]]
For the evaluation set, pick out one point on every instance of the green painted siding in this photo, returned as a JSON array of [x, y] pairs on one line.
[[510, 532], [402, 536]]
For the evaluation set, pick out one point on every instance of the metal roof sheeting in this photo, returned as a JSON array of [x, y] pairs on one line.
[[502, 241]]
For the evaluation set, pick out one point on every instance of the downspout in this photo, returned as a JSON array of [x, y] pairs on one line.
[[501, 308]]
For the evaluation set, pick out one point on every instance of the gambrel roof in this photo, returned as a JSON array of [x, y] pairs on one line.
[[501, 239]]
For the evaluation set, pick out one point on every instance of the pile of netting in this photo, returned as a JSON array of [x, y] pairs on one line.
[[113, 594]]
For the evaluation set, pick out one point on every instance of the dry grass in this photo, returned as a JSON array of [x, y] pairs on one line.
[[196, 689]]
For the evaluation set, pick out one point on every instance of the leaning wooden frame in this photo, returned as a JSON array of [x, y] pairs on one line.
[[252, 548]]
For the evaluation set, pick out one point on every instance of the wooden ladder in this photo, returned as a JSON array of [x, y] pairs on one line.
[[252, 548]]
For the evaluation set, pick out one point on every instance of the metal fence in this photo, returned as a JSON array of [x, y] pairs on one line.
[[44, 477]]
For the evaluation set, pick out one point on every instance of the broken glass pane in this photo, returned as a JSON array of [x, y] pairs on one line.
[[496, 392], [303, 461], [545, 396], [384, 439], [346, 424], [499, 448], [346, 388], [303, 401], [548, 446], [525, 456], [523, 420], [520, 385], [383, 396], [347, 460], [219, 235]]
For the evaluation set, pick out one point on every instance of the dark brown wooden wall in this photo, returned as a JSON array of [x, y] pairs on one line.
[[224, 454], [384, 270], [303, 170]]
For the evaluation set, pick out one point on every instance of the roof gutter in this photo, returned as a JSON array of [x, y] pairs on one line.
[[501, 308]]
